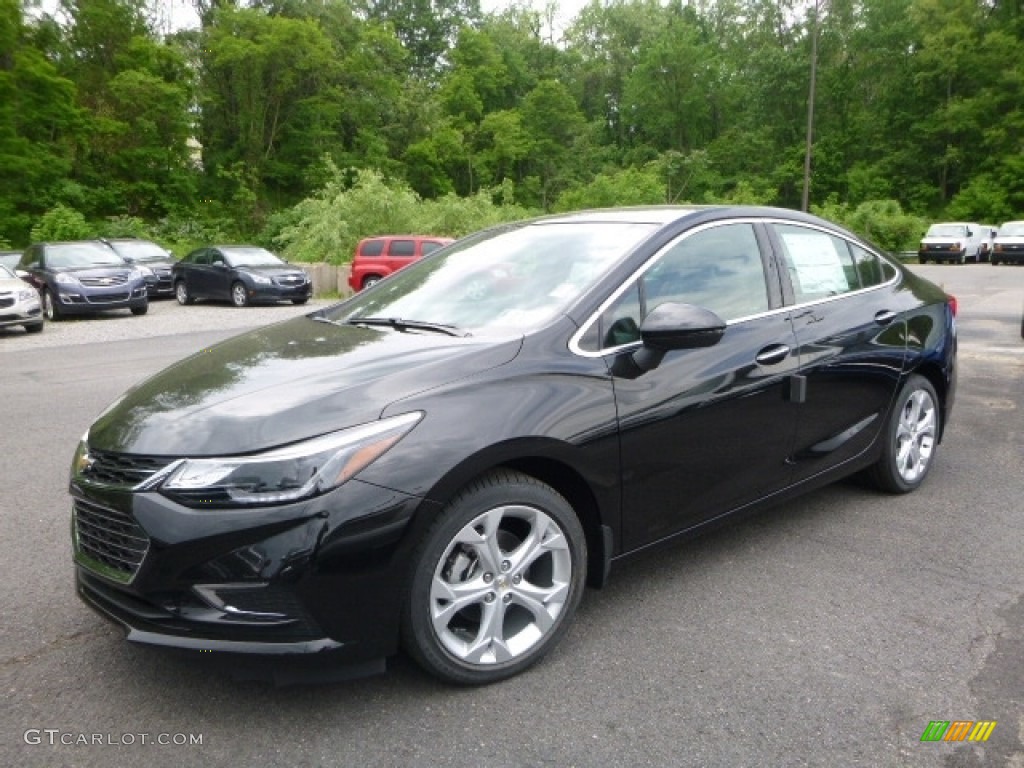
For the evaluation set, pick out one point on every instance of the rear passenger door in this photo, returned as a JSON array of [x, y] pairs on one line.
[[851, 342]]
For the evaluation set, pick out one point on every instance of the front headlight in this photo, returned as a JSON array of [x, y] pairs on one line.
[[143, 270], [27, 295], [63, 278], [295, 472], [260, 279]]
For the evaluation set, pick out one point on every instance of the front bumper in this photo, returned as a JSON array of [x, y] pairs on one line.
[[1009, 254], [260, 292], [320, 576], [160, 283], [15, 311], [941, 253], [86, 300]]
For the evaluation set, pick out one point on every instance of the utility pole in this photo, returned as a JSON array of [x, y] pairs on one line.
[[810, 109]]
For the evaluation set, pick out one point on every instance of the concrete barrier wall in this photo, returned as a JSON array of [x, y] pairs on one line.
[[328, 279]]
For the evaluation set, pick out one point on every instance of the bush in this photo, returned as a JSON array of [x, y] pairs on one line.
[[327, 226], [882, 222], [62, 223]]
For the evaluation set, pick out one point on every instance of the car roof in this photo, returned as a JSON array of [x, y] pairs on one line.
[[409, 237]]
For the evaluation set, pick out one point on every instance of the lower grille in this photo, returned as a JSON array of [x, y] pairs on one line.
[[6, 301], [111, 542], [110, 298]]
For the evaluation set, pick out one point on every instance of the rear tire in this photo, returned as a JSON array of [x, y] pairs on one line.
[[495, 581], [911, 438]]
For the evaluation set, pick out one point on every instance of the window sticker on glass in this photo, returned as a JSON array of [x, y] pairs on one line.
[[819, 267]]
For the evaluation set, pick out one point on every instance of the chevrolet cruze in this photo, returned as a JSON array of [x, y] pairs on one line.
[[442, 462]]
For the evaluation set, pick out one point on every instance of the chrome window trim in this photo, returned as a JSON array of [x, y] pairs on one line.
[[574, 341]]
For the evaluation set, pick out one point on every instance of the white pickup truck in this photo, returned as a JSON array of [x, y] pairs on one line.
[[955, 241]]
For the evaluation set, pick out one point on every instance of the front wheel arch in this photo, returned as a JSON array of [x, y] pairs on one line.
[[495, 580]]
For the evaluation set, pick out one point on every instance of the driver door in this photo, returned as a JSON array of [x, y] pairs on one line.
[[708, 430]]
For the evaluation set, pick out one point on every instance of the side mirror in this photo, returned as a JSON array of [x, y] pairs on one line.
[[22, 274], [219, 264], [675, 326], [970, 232]]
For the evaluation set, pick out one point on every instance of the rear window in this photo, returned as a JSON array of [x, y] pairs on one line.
[[372, 248]]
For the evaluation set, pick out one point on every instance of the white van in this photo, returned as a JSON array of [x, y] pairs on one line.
[[955, 241]]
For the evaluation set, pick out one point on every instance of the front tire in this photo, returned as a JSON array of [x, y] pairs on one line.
[[911, 437], [51, 309], [34, 328], [239, 296], [141, 309], [300, 302], [496, 580], [182, 295]]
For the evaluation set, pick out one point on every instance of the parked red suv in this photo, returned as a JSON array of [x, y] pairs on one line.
[[378, 257]]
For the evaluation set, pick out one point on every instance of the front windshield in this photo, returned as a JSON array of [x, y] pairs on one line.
[[1012, 229], [6, 273], [509, 280], [946, 230], [251, 257], [142, 251], [70, 255]]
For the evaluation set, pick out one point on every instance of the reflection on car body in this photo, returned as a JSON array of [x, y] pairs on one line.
[[442, 469]]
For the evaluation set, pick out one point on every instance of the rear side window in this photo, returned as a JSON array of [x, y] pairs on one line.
[[402, 248], [819, 264], [429, 246], [372, 248]]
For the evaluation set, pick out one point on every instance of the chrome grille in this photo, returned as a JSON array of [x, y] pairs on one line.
[[7, 300], [101, 281], [290, 280], [122, 468], [110, 541]]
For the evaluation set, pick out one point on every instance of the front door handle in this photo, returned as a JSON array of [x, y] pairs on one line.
[[885, 316], [773, 354]]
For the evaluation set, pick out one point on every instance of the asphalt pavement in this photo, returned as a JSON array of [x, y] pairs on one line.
[[829, 631]]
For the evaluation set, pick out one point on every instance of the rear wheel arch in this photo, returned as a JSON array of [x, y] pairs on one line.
[[933, 373]]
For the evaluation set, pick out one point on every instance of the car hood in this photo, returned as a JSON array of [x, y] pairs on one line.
[[284, 383], [8, 284], [1009, 240], [944, 240]]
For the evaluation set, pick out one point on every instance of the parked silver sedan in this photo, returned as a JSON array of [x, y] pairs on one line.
[[19, 302]]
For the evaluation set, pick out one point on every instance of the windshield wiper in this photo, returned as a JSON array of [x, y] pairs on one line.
[[401, 324]]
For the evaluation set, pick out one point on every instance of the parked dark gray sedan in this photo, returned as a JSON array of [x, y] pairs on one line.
[[241, 274]]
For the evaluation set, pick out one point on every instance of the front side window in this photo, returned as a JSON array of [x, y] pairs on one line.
[[372, 248], [429, 246], [718, 268]]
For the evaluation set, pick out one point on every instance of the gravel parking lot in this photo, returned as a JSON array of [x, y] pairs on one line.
[[165, 318]]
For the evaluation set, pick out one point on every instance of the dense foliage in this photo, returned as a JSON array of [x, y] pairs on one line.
[[305, 124]]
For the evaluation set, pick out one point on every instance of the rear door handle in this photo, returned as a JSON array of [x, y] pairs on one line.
[[885, 316], [772, 354]]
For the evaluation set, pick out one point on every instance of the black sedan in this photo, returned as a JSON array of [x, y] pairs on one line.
[[152, 260], [82, 278], [241, 274], [443, 461]]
